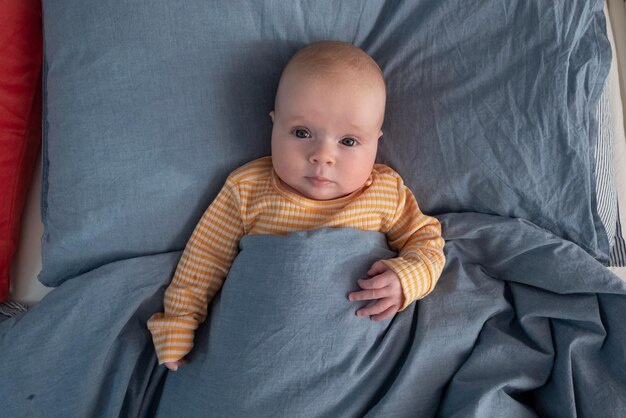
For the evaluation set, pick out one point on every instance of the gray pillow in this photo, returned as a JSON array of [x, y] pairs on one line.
[[147, 109]]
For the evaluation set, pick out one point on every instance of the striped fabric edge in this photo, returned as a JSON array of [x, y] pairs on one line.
[[12, 309], [617, 257], [606, 190], [617, 252], [606, 193]]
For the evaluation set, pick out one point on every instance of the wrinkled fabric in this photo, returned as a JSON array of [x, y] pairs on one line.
[[517, 326], [521, 323]]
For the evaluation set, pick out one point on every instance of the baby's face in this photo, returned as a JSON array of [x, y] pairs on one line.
[[325, 134]]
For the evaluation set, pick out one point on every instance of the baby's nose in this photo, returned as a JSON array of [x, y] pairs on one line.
[[322, 154]]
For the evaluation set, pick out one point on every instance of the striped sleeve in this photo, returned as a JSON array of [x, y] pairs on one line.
[[199, 275], [417, 238]]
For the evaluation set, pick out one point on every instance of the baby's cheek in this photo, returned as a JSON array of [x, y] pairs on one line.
[[355, 177]]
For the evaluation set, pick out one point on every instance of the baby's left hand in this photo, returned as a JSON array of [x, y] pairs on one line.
[[384, 287]]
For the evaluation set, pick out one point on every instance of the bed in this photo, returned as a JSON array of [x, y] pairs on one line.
[[514, 111]]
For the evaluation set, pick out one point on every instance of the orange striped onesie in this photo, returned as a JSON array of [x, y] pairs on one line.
[[253, 201]]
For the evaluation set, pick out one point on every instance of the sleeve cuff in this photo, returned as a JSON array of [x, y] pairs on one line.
[[171, 342], [414, 279]]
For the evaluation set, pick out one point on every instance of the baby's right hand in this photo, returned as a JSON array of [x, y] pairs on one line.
[[174, 365]]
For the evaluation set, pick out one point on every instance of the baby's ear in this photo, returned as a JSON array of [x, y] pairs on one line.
[[380, 134], [272, 116]]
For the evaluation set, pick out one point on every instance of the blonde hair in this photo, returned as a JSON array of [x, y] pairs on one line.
[[333, 58]]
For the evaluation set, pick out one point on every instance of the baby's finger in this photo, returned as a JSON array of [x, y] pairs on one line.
[[171, 365], [381, 306], [377, 268], [174, 365], [376, 282], [369, 294], [388, 313]]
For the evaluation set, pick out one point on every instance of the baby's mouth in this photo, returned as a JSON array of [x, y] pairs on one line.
[[319, 181]]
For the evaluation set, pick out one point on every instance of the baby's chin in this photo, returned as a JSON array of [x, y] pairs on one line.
[[328, 193], [306, 189]]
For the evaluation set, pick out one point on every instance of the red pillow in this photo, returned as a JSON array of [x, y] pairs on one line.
[[20, 118]]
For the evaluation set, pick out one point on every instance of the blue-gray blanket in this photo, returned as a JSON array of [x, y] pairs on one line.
[[521, 323]]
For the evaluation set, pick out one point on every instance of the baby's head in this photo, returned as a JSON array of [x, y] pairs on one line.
[[328, 114]]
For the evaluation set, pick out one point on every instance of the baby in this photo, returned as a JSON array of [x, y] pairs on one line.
[[327, 121]]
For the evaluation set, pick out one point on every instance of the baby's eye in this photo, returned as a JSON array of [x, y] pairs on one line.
[[301, 133], [348, 142]]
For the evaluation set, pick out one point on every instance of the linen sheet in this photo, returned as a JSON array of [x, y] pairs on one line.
[[522, 323]]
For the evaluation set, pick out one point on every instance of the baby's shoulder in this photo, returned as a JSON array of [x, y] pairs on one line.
[[385, 170], [385, 176], [254, 170]]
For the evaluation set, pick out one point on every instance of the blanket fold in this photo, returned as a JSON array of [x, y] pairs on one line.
[[84, 350], [522, 323], [515, 314]]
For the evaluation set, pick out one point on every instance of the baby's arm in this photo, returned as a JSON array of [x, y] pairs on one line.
[[398, 282], [199, 275]]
